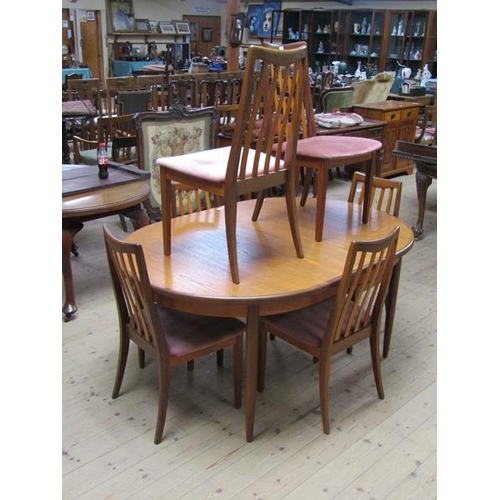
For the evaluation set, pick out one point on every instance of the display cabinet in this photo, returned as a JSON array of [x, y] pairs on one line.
[[372, 40]]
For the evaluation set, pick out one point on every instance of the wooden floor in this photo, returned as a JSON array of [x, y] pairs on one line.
[[376, 450]]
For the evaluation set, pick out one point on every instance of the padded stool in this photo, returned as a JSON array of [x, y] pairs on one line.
[[323, 153]]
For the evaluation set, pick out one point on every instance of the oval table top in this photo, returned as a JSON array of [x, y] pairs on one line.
[[196, 276]]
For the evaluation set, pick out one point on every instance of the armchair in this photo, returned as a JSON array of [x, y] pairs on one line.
[[374, 90]]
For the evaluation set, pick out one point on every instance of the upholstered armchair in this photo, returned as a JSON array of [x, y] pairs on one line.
[[374, 90]]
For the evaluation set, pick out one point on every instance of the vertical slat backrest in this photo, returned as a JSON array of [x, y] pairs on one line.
[[385, 195], [133, 294], [269, 112], [363, 288], [86, 89]]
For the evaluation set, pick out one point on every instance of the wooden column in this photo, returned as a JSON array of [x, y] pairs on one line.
[[233, 7]]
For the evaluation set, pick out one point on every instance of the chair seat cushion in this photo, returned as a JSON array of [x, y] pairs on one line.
[[336, 148], [183, 330], [208, 165]]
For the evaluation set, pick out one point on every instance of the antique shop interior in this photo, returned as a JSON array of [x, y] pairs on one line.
[[219, 284]]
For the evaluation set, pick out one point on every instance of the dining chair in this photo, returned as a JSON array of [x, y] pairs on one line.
[[268, 114], [133, 101], [177, 131], [386, 197], [333, 325], [86, 89], [333, 99], [146, 82], [170, 337], [318, 154], [115, 84]]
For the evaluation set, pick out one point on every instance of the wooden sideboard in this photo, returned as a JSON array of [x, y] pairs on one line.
[[401, 118]]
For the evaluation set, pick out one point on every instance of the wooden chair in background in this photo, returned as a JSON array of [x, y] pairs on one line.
[[133, 101], [115, 84], [335, 98], [176, 131], [170, 337], [268, 116], [335, 324], [89, 89], [146, 82], [386, 197]]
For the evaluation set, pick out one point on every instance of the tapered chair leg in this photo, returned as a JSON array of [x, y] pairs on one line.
[[375, 355], [324, 386], [163, 390], [122, 362], [230, 218]]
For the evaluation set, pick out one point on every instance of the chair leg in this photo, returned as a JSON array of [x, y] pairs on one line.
[[238, 371], [230, 218], [122, 362], [142, 357], [324, 377], [163, 390], [123, 223], [375, 355], [291, 208], [190, 365], [220, 357], [307, 184]]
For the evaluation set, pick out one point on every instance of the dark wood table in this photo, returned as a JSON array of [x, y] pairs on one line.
[[74, 110], [425, 158], [86, 197], [196, 276]]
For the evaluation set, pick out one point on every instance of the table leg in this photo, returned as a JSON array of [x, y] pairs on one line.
[[370, 168], [68, 234], [390, 306], [251, 354], [423, 182], [65, 147], [137, 215], [322, 180]]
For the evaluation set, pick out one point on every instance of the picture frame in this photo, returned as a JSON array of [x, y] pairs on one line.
[[121, 15], [207, 34], [182, 27], [237, 25], [142, 26], [195, 30], [262, 20], [166, 27], [154, 26]]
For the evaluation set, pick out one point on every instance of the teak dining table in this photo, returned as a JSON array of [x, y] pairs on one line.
[[196, 276]]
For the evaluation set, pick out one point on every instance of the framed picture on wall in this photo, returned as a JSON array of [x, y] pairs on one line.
[[208, 34], [262, 19], [195, 28], [121, 14]]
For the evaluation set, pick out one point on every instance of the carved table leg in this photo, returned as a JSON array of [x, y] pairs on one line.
[[138, 216], [68, 233], [423, 182]]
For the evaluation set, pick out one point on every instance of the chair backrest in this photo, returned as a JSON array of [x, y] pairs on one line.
[[334, 98], [133, 101], [374, 90], [133, 294], [385, 195], [173, 132], [115, 84], [145, 82], [362, 290], [182, 91], [71, 76], [268, 119], [189, 200], [86, 89], [307, 122]]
